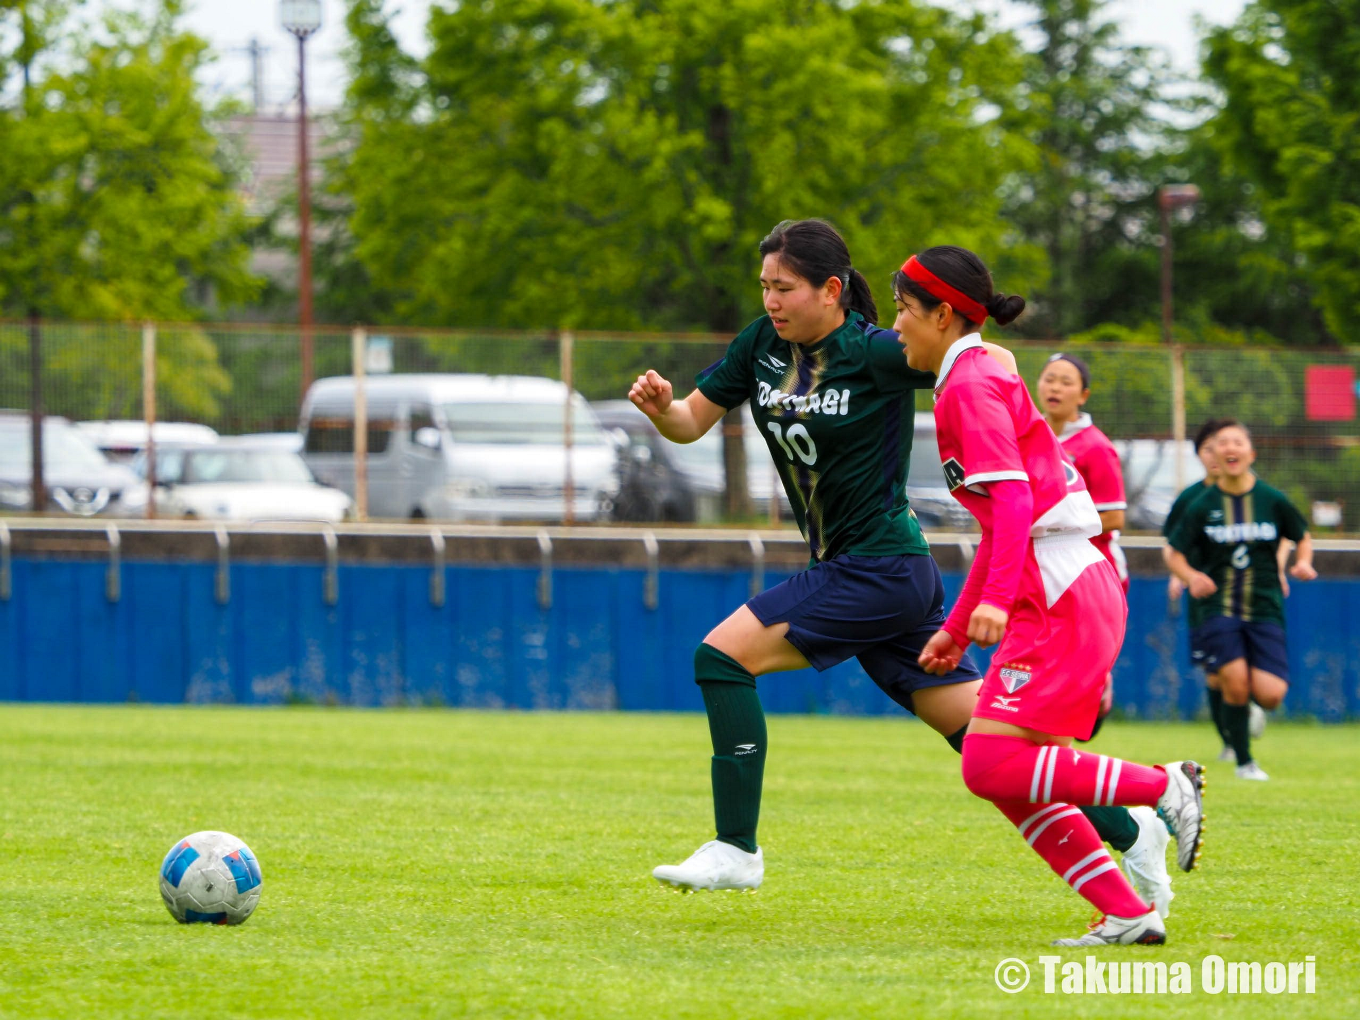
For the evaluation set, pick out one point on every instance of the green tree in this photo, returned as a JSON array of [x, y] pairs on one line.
[[582, 164], [1091, 102], [571, 163], [1288, 127], [118, 203]]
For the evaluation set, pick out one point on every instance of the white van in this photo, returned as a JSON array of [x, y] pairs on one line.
[[462, 447]]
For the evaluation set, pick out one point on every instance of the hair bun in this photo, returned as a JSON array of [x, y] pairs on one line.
[[1005, 307]]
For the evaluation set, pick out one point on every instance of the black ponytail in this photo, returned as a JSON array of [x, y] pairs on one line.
[[815, 250], [965, 272]]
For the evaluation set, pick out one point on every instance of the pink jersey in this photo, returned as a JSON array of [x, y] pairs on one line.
[[1066, 611], [1096, 460]]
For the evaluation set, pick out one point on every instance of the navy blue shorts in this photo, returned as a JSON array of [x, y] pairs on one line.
[[1222, 639], [879, 609]]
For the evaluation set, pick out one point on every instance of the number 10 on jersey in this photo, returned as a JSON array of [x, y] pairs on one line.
[[796, 442]]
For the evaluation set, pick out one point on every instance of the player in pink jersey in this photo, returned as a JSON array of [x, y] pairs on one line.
[[1064, 387], [1039, 587]]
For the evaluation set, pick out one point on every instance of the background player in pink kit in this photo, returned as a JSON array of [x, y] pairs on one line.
[[1064, 387], [1040, 587]]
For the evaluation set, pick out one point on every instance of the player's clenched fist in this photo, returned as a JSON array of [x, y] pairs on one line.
[[652, 394]]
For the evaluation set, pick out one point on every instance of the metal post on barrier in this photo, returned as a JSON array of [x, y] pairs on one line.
[[113, 578], [545, 566], [437, 573], [149, 412], [359, 361], [222, 580], [6, 582], [651, 587], [967, 551], [757, 563], [330, 580], [565, 342]]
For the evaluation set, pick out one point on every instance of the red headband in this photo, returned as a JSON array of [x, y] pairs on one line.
[[961, 302]]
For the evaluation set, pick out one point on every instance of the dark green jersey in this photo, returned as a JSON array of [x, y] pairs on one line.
[[1235, 539], [837, 416], [1178, 508]]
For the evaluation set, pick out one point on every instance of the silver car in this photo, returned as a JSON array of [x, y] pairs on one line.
[[463, 447], [80, 482], [242, 481]]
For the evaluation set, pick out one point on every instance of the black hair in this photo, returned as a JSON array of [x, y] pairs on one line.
[[815, 250], [965, 272], [1082, 368], [1233, 423], [1209, 429]]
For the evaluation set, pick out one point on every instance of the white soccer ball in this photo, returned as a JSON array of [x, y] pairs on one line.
[[210, 878]]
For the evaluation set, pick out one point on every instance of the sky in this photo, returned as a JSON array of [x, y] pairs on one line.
[[230, 25]]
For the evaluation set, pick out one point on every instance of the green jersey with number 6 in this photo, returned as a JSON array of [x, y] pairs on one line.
[[1234, 540], [837, 416]]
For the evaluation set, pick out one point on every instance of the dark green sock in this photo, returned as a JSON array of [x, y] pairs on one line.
[[955, 739], [1236, 720], [736, 722], [1114, 825], [1216, 713]]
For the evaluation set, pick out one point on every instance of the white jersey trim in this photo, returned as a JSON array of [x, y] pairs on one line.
[[995, 476], [1071, 428], [966, 343], [1106, 507], [1061, 562]]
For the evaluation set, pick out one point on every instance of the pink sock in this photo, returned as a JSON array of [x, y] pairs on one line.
[[998, 768], [1061, 835]]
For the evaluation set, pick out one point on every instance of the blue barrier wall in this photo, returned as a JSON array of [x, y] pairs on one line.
[[167, 640]]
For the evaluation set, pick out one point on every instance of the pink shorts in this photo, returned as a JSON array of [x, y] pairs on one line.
[[1049, 671]]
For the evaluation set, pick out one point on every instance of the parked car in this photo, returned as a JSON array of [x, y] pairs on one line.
[[665, 481], [79, 480], [239, 480], [122, 440], [290, 442], [1150, 479], [462, 447]]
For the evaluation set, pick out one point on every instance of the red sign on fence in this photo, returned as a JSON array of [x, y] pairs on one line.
[[1329, 393]]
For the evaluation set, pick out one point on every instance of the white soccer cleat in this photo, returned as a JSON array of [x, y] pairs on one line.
[[1145, 861], [1252, 771], [1228, 755], [715, 865], [1147, 930], [1256, 720], [1182, 806]]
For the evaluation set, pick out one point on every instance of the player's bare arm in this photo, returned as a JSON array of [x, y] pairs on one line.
[[1200, 585], [1303, 570], [680, 421]]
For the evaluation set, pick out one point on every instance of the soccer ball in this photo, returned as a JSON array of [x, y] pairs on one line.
[[210, 877]]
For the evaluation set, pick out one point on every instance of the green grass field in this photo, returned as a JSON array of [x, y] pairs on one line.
[[446, 864]]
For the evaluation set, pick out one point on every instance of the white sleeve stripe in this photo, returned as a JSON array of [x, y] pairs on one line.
[[1102, 507], [996, 476]]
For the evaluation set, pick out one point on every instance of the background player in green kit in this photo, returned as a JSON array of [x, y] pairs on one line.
[[834, 398], [1233, 531]]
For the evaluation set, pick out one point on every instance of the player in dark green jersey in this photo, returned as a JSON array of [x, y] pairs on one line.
[[1233, 531], [834, 398], [1204, 449]]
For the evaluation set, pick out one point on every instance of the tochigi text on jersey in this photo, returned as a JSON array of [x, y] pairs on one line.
[[1249, 531], [831, 402]]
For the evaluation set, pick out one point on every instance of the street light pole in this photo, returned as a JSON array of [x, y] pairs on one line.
[[302, 18], [1171, 197]]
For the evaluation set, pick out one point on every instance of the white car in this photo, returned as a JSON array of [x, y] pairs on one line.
[[463, 447], [122, 440], [243, 481]]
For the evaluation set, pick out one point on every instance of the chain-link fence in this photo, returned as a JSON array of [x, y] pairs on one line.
[[248, 381]]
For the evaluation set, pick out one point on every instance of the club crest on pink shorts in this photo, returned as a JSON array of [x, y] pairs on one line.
[[1015, 675]]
